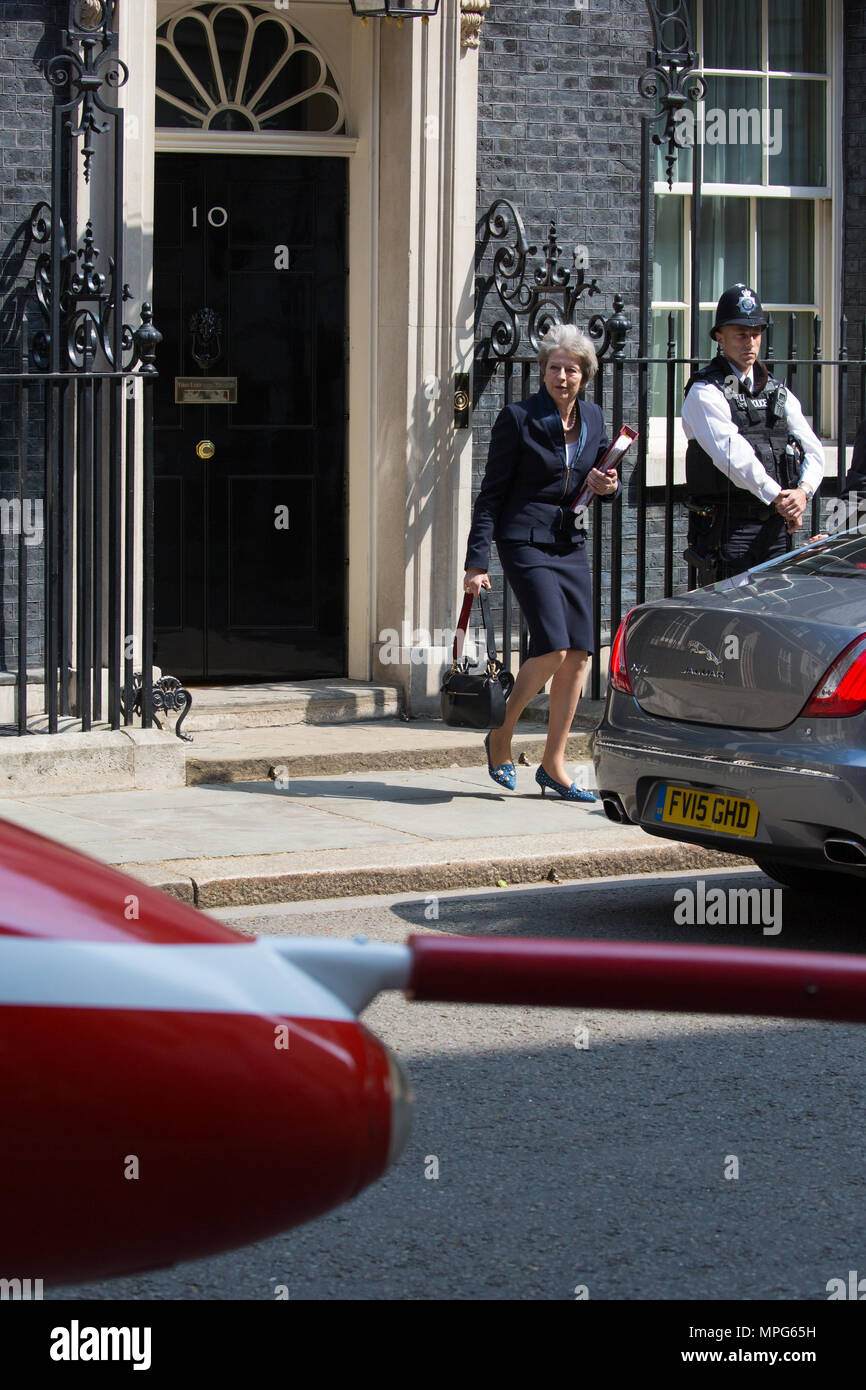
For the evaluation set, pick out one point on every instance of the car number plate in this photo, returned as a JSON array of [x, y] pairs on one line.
[[728, 815]]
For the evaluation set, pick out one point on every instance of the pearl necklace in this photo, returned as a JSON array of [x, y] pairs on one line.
[[571, 420]]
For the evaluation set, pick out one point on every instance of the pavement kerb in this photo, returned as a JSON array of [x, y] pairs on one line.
[[226, 883]]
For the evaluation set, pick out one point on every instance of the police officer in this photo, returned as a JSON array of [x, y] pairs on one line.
[[752, 462]]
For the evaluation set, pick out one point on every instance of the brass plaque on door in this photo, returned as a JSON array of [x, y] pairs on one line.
[[205, 390]]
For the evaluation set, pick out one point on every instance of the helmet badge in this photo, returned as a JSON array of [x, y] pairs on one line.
[[746, 302]]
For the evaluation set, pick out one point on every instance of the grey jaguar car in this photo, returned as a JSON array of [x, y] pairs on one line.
[[736, 716]]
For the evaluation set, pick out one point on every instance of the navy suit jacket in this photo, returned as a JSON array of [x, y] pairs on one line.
[[527, 486]]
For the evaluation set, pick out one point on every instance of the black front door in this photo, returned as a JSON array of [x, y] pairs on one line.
[[250, 556]]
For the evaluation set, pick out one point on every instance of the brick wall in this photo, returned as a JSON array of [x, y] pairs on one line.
[[25, 152], [558, 127], [27, 40]]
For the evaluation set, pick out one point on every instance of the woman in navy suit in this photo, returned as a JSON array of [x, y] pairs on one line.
[[543, 451]]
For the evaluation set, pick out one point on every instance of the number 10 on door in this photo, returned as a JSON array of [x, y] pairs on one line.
[[217, 216]]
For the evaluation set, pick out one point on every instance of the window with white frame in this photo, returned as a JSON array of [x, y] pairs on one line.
[[764, 126]]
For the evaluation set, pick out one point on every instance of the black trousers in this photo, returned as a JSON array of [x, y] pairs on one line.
[[747, 543]]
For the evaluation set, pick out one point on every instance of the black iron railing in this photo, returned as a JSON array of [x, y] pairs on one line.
[[83, 481]]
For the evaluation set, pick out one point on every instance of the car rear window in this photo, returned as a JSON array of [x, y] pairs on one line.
[[838, 557]]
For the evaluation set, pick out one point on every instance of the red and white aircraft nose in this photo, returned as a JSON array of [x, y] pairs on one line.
[[172, 1089]]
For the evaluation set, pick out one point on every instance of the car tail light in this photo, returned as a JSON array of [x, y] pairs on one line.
[[618, 669], [842, 690]]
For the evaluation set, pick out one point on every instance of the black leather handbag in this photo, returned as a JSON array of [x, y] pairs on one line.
[[472, 699]]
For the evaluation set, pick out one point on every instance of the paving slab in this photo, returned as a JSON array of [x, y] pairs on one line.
[[199, 822], [322, 837], [457, 804]]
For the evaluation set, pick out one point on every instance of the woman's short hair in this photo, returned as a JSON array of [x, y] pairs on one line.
[[566, 336]]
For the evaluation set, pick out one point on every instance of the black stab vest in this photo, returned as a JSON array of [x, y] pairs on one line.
[[761, 419]]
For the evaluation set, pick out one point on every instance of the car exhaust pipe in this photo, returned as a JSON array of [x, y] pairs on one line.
[[841, 849], [613, 808]]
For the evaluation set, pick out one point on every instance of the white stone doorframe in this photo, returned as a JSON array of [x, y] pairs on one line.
[[429, 94]]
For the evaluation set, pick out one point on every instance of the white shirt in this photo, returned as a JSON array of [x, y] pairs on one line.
[[707, 418]]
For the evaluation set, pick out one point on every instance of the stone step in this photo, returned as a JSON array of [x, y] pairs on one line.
[[262, 754], [72, 762], [282, 704]]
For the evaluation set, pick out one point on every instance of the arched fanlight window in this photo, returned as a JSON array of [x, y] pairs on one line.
[[242, 67]]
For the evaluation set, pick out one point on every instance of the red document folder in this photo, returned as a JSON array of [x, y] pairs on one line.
[[609, 461]]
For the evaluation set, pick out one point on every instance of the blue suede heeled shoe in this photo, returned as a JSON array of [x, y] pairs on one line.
[[505, 774], [572, 793]]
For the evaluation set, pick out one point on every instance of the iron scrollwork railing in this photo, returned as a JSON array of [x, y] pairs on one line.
[[671, 79], [87, 65], [672, 83], [87, 301], [82, 304], [542, 295], [168, 695], [610, 333]]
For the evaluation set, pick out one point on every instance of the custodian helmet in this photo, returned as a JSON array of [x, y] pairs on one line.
[[739, 305]]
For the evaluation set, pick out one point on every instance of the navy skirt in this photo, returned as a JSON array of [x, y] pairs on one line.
[[553, 585]]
